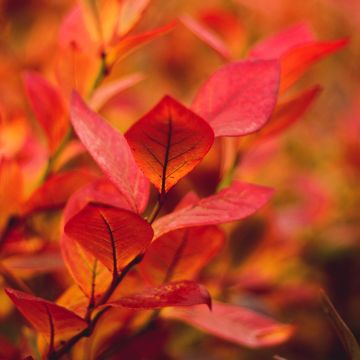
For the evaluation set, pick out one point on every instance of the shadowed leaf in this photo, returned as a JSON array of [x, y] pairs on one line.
[[112, 235], [112, 153], [178, 293], [234, 323], [232, 203], [239, 98], [168, 142]]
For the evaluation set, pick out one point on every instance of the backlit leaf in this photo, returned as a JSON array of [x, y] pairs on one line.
[[181, 254], [114, 236], [234, 323], [232, 203], [48, 107], [168, 142], [112, 153], [47, 317], [178, 293], [239, 98]]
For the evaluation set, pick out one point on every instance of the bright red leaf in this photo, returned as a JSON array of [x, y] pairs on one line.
[[112, 235], [48, 107], [234, 323], [232, 203], [177, 293], [239, 98], [168, 142], [181, 254], [47, 317], [112, 153]]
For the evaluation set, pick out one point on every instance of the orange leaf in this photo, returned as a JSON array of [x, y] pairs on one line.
[[234, 323], [49, 319], [181, 254], [112, 235], [178, 293], [298, 60], [168, 142], [48, 107]]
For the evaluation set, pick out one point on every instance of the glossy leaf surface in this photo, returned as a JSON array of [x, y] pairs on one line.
[[235, 324], [111, 152], [47, 317], [232, 203], [178, 293], [181, 254], [239, 98], [112, 235], [168, 142]]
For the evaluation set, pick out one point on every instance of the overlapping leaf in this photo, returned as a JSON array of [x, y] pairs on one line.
[[168, 142], [48, 319], [112, 153], [235, 324], [112, 235], [181, 254], [48, 107], [239, 98], [177, 293], [232, 203]]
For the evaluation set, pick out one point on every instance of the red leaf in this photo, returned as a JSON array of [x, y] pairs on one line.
[[168, 142], [232, 203], [112, 235], [178, 293], [112, 153], [79, 262], [297, 61], [289, 112], [181, 254], [48, 107], [278, 44], [206, 35], [47, 317], [235, 323], [56, 190], [239, 98]]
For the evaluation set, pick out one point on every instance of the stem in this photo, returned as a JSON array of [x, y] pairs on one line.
[[229, 176], [156, 210]]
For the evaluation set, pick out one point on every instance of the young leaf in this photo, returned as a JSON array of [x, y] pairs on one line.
[[112, 153], [48, 107], [51, 320], [206, 35], [234, 323], [239, 98], [344, 333], [297, 61], [168, 142], [178, 293], [232, 203], [112, 235], [181, 254]]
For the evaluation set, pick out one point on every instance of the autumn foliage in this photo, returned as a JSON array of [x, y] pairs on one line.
[[149, 207]]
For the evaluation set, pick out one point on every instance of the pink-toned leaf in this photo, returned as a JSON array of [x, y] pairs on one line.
[[124, 46], [206, 35], [278, 44], [177, 293], [239, 98], [181, 254], [234, 323], [105, 92], [112, 235], [54, 193], [47, 317], [297, 61], [48, 107], [235, 202], [168, 142], [112, 153]]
